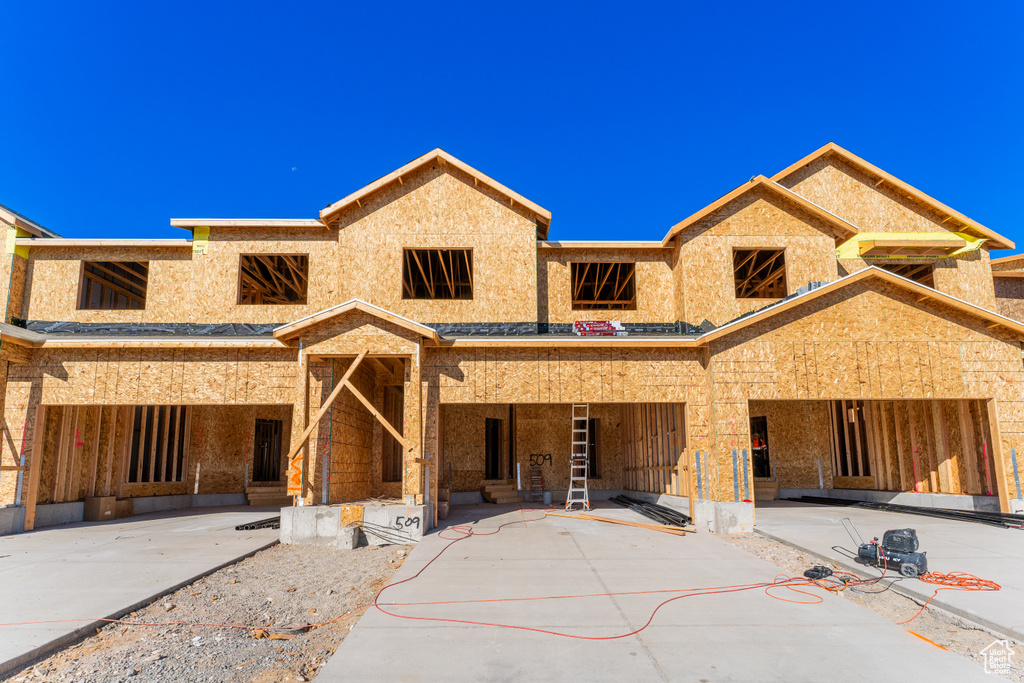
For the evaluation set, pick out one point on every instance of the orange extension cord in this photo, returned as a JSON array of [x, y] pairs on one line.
[[951, 581]]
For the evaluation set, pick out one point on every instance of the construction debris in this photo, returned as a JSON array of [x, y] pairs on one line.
[[1001, 519], [659, 513], [268, 523], [678, 531]]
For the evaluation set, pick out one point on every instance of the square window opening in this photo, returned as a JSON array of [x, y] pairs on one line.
[[759, 273], [113, 285], [273, 279], [437, 274], [921, 273], [598, 285]]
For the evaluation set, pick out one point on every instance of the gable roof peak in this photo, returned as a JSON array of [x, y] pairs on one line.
[[542, 215], [842, 225], [960, 222]]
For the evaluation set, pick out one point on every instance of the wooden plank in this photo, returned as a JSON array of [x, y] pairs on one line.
[[187, 446], [380, 418], [969, 448], [111, 413], [162, 467], [326, 406], [846, 437], [861, 447], [659, 446], [154, 436], [902, 483], [94, 468], [72, 464], [929, 432], [890, 485], [915, 447], [941, 440], [985, 429], [872, 442], [60, 461], [995, 437], [174, 442], [35, 469], [676, 530], [836, 470]]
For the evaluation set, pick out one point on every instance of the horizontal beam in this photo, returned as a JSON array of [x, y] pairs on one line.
[[247, 223], [83, 243]]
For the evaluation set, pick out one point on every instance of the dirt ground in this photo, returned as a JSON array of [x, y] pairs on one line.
[[940, 627], [285, 585]]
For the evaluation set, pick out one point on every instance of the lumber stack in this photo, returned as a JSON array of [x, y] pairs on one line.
[[267, 495], [599, 328], [501, 493]]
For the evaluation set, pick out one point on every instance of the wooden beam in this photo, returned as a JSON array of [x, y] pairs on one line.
[[969, 448], [94, 468], [996, 439], [35, 469], [369, 406], [323, 409], [899, 444]]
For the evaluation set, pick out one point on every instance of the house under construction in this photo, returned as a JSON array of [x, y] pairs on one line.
[[829, 329]]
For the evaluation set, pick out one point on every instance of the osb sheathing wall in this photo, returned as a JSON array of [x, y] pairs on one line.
[[351, 438], [754, 220], [154, 376], [538, 430], [440, 207], [798, 438], [1009, 293], [655, 290], [872, 207], [967, 277], [464, 446], [183, 287], [872, 341], [933, 446], [566, 376]]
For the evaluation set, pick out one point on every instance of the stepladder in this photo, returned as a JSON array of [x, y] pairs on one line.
[[536, 485], [579, 458]]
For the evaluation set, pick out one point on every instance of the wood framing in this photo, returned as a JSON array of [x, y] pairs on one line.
[[603, 285], [431, 301], [270, 279], [437, 273]]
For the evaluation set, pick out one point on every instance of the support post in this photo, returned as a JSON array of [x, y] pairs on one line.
[[35, 469]]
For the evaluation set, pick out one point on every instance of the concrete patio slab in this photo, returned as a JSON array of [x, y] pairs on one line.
[[988, 552], [742, 636], [90, 570]]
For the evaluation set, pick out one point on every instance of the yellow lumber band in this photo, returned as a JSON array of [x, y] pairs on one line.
[[13, 234], [960, 243], [200, 240]]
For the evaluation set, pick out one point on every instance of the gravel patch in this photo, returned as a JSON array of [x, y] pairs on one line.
[[286, 585], [948, 630]]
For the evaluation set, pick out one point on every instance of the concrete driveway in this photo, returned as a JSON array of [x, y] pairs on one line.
[[87, 570], [742, 636], [988, 552]]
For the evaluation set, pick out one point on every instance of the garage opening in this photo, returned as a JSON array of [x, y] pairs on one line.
[[911, 447], [501, 448]]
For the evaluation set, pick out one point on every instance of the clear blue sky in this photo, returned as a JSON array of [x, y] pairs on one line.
[[620, 119]]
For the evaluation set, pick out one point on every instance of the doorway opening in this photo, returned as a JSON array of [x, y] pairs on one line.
[[266, 457]]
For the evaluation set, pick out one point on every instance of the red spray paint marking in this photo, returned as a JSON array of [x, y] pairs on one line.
[[988, 477], [917, 480], [78, 441]]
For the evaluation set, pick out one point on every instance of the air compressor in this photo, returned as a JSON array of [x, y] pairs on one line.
[[898, 550]]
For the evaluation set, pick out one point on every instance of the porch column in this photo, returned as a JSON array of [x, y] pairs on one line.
[[412, 480]]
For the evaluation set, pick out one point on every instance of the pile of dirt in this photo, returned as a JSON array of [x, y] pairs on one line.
[[283, 586], [941, 628]]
